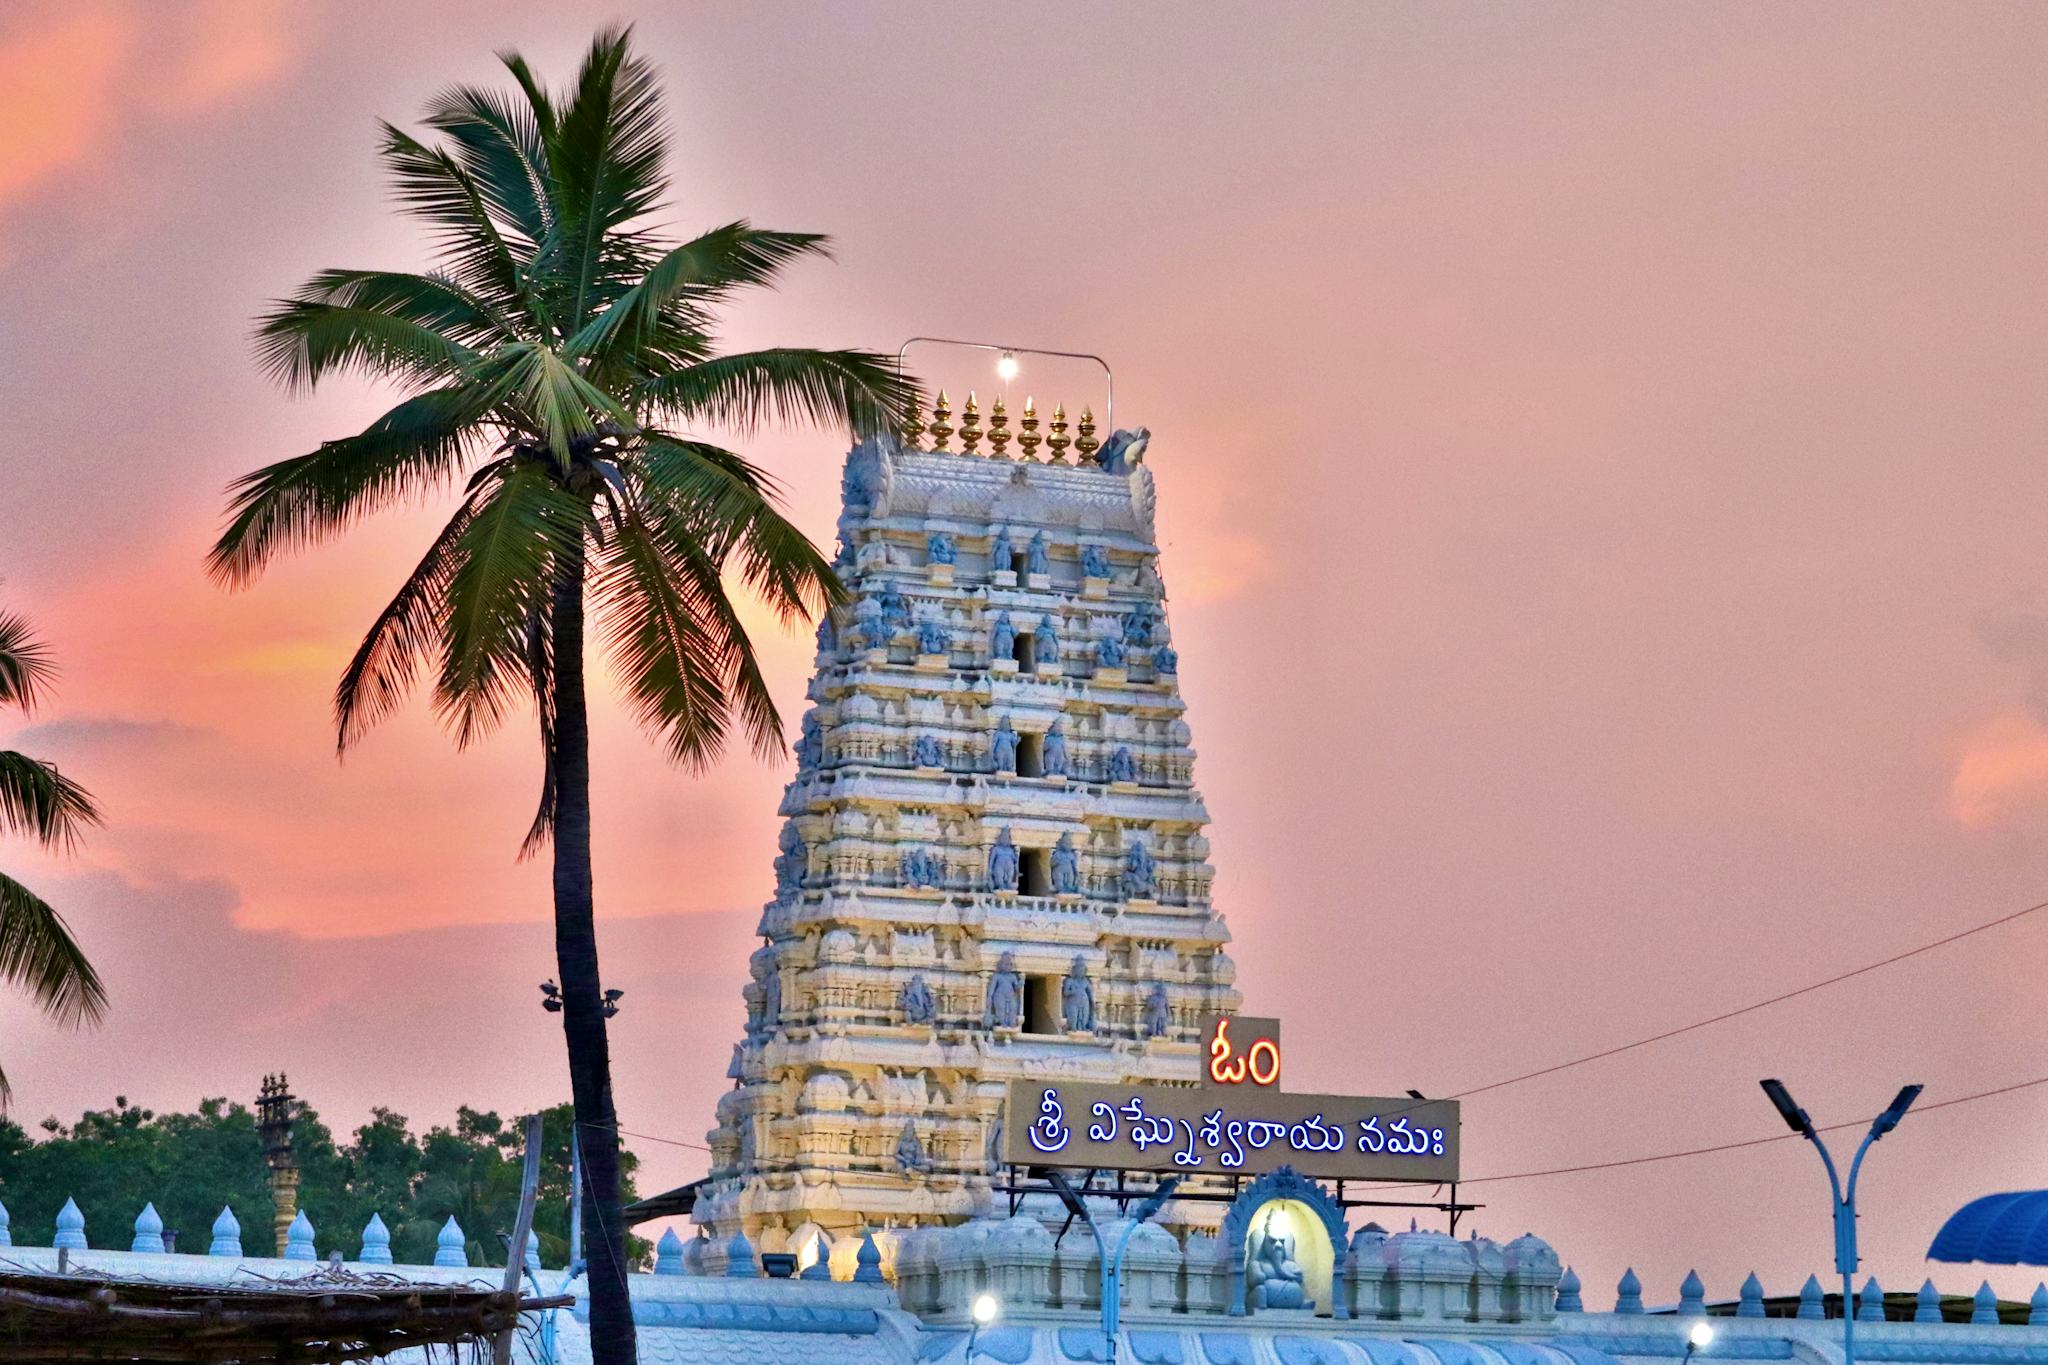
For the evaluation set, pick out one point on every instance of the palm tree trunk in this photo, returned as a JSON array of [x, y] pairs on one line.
[[583, 1021]]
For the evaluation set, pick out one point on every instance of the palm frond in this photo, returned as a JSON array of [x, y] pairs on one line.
[[857, 389], [37, 800], [403, 636], [433, 187], [26, 670], [606, 161], [304, 339], [504, 562], [417, 446], [657, 626], [701, 271], [499, 146], [540, 673], [38, 952]]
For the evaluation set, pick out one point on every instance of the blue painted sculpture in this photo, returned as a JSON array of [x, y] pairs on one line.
[[1048, 642], [1122, 767], [1141, 878], [1066, 867], [810, 743], [918, 1005], [1006, 993], [1077, 998], [933, 637], [1034, 556], [1002, 637], [1165, 660], [925, 752], [867, 622], [1001, 556], [1110, 652], [1138, 624], [938, 547], [1094, 561], [1158, 1016], [1002, 862], [1055, 753], [895, 609], [1002, 747], [1124, 450], [921, 867]]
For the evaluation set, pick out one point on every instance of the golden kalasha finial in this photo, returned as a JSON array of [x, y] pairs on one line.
[[913, 423], [970, 424], [1028, 439], [1058, 442], [999, 429], [941, 429], [1085, 445]]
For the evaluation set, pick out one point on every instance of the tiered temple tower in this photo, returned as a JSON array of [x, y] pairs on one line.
[[993, 864]]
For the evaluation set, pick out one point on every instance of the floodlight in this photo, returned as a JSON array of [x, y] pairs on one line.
[[1701, 1336], [1889, 1119], [1006, 368], [987, 1308], [1788, 1109]]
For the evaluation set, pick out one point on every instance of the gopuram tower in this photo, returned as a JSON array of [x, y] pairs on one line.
[[992, 858]]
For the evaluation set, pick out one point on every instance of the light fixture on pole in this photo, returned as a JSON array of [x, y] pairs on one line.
[[985, 1309], [1112, 1265], [1699, 1338], [1006, 366], [1844, 1202]]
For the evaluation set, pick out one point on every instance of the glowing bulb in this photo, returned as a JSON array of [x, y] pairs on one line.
[[986, 1306], [1006, 368], [1280, 1223], [1701, 1336]]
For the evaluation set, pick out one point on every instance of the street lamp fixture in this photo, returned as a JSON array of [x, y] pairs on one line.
[[1699, 1338], [985, 1309], [1006, 367], [1844, 1198]]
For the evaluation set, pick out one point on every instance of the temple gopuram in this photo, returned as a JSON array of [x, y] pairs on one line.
[[992, 856]]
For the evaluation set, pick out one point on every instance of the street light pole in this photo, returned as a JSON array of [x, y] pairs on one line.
[[1844, 1200], [1113, 1265]]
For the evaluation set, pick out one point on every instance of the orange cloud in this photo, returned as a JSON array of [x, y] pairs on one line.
[[2003, 772], [58, 87]]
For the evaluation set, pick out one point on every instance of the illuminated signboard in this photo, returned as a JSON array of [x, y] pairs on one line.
[[1239, 1052], [1236, 1130]]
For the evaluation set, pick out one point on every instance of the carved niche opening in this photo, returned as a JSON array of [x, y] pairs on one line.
[[1042, 1012]]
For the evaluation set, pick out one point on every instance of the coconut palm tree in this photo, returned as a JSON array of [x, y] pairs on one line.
[[37, 952], [554, 365]]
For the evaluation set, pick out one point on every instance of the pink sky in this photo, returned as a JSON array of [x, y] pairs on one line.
[[1600, 461]]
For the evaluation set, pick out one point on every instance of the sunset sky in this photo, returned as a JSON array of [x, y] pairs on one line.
[[1601, 468]]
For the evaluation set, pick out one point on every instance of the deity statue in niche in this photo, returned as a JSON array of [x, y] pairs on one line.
[[1165, 659], [1002, 747], [867, 621], [910, 1153], [1094, 561], [1077, 998], [1002, 637], [810, 743], [1055, 753], [1271, 1267], [925, 751], [1158, 1014], [933, 637], [1002, 862], [1000, 555], [1048, 641], [1066, 867], [895, 608], [1110, 652], [791, 863], [1138, 624], [1141, 878], [1034, 556], [1006, 993], [918, 1005], [1122, 767], [938, 548]]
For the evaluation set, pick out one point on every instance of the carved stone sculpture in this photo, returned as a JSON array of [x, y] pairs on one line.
[[1110, 652], [1138, 624], [1094, 561], [895, 608], [1048, 641], [1000, 553], [933, 637], [867, 621], [1165, 659], [1002, 637], [1158, 1015], [1006, 994], [1002, 862], [918, 1005], [810, 743], [1122, 767], [1077, 998], [1035, 557], [1275, 1275], [771, 999], [921, 867], [938, 548], [1055, 752], [1124, 450], [1066, 867], [910, 1153], [1002, 747], [1141, 879], [925, 751], [791, 863]]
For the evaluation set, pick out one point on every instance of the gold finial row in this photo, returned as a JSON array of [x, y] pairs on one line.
[[1083, 443]]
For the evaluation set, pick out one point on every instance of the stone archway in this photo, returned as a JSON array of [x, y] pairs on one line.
[[1289, 1191]]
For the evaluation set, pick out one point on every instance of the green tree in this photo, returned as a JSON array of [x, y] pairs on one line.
[[37, 952], [552, 368]]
